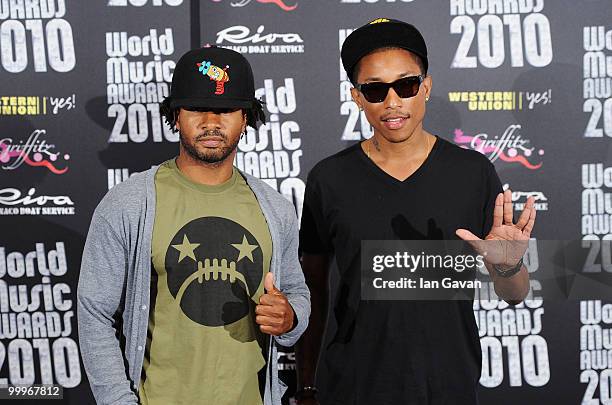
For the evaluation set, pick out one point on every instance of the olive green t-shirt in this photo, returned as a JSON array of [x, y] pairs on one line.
[[211, 248]]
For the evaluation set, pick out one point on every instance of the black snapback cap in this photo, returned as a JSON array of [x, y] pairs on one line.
[[212, 77], [382, 33]]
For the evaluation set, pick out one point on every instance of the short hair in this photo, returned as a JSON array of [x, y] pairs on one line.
[[419, 61], [254, 114]]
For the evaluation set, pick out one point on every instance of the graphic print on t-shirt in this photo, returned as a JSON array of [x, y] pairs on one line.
[[214, 267]]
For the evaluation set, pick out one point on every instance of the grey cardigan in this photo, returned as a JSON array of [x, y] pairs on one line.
[[114, 285]]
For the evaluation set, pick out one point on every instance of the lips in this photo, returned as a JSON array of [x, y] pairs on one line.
[[211, 141], [394, 122]]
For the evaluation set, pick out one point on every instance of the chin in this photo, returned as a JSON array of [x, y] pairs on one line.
[[397, 136], [218, 155]]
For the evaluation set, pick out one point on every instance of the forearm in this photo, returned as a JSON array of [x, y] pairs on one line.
[[102, 356], [300, 306], [99, 295], [308, 348], [293, 286]]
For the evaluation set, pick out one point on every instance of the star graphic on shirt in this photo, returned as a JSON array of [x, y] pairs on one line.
[[186, 249], [246, 250]]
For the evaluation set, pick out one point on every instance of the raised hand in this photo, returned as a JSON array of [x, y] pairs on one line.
[[512, 238]]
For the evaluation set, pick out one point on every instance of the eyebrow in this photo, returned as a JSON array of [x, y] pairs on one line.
[[399, 76]]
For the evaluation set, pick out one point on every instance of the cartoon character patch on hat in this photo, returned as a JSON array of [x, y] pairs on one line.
[[215, 73]]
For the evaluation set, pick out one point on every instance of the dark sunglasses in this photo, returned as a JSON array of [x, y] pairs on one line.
[[376, 92]]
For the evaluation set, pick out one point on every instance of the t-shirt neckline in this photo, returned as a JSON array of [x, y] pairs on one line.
[[417, 173], [204, 188]]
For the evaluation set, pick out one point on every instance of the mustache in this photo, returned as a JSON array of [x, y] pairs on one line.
[[395, 114], [217, 133]]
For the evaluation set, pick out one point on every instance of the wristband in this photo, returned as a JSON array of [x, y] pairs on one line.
[[508, 272], [306, 392]]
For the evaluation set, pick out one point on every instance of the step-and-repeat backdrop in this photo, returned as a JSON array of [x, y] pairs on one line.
[[528, 83]]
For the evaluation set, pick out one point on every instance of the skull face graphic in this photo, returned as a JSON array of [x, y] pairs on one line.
[[214, 267]]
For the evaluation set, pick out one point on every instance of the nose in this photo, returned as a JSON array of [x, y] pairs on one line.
[[210, 120], [392, 100]]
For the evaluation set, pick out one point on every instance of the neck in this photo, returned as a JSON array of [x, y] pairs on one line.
[[210, 174], [413, 147]]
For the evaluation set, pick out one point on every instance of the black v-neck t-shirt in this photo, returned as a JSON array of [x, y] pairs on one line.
[[398, 352]]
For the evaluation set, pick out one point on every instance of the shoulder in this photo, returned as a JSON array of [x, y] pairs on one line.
[[463, 159], [281, 206], [128, 196], [335, 163]]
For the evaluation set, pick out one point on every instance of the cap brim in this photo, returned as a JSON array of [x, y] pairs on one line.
[[210, 103]]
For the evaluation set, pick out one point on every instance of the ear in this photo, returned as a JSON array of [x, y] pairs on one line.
[[357, 98], [244, 121], [427, 84], [177, 122]]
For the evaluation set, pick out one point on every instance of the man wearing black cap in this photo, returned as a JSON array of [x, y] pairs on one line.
[[190, 266], [403, 183]]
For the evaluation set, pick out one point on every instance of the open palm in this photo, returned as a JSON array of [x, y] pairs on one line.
[[507, 242]]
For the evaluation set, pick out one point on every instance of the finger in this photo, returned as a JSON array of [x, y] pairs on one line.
[[272, 300], [530, 224], [268, 321], [277, 309], [267, 299], [265, 310], [525, 214], [508, 207], [498, 211], [269, 283], [270, 330]]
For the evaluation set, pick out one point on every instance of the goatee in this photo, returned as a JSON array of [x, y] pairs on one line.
[[209, 155]]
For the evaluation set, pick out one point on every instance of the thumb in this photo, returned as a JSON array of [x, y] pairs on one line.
[[470, 238], [466, 235], [269, 283]]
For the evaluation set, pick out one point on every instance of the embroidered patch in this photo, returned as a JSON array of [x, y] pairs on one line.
[[215, 73]]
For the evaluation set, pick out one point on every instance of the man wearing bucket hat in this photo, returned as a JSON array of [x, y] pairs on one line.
[[403, 183], [191, 266]]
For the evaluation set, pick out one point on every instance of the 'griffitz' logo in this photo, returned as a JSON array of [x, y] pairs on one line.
[[214, 268], [280, 3], [34, 152], [511, 147], [215, 73]]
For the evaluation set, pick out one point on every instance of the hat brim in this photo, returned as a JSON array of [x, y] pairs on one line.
[[210, 103]]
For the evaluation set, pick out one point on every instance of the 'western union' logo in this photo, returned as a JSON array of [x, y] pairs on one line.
[[23, 105], [488, 100]]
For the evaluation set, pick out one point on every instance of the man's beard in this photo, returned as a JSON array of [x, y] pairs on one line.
[[208, 155]]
